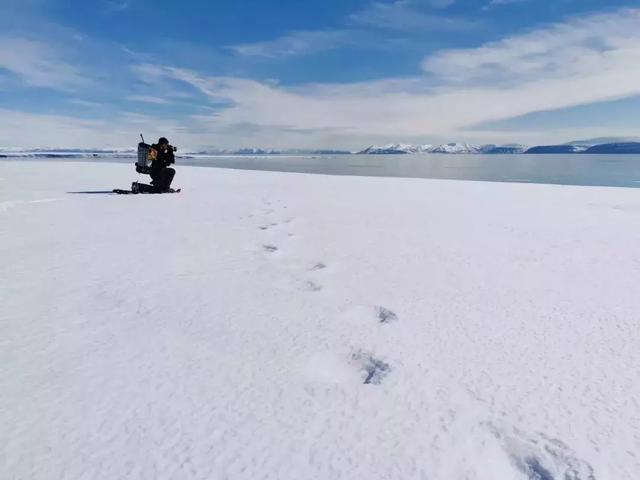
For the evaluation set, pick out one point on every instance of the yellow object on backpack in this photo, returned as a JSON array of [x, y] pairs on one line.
[[152, 155]]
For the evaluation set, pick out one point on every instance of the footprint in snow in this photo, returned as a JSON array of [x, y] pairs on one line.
[[311, 286], [270, 248], [365, 315], [385, 315], [318, 266], [373, 370], [531, 466], [542, 458], [334, 367]]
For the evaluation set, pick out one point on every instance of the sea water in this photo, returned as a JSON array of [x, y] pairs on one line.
[[567, 169]]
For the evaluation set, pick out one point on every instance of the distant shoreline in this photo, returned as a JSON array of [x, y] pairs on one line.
[[614, 148]]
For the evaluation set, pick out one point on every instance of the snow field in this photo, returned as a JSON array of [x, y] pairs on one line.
[[268, 325]]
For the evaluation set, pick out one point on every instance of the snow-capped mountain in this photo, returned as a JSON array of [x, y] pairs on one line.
[[446, 148], [456, 148], [395, 148], [401, 148]]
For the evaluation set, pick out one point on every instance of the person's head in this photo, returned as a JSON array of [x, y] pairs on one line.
[[163, 141]]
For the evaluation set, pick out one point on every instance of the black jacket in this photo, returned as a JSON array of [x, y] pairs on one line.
[[164, 158]]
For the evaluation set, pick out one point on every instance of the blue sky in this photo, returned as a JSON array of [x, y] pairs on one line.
[[317, 73]]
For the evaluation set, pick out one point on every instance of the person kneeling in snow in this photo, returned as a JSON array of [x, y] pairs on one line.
[[161, 174], [161, 156]]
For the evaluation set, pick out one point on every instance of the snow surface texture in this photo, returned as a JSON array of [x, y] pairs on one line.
[[284, 326]]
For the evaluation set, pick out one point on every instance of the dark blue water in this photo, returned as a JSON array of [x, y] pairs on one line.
[[603, 170]]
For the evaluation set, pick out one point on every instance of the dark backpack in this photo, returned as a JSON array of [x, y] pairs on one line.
[[143, 164]]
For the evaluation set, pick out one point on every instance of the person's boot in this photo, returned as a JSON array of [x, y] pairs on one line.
[[135, 187]]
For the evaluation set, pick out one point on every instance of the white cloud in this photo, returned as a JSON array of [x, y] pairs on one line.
[[578, 48], [86, 103], [400, 15], [494, 3], [307, 42], [407, 15], [63, 131], [582, 61], [148, 99], [435, 3], [49, 130], [156, 81], [38, 64], [295, 43], [60, 131]]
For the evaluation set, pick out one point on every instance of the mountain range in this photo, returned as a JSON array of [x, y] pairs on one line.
[[602, 145], [599, 145], [446, 148]]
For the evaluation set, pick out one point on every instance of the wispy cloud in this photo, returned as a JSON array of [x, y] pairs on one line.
[[435, 3], [358, 30], [577, 50], [86, 103], [405, 15], [148, 99], [495, 3], [60, 131], [295, 43], [49, 130], [581, 61], [159, 83], [38, 64]]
